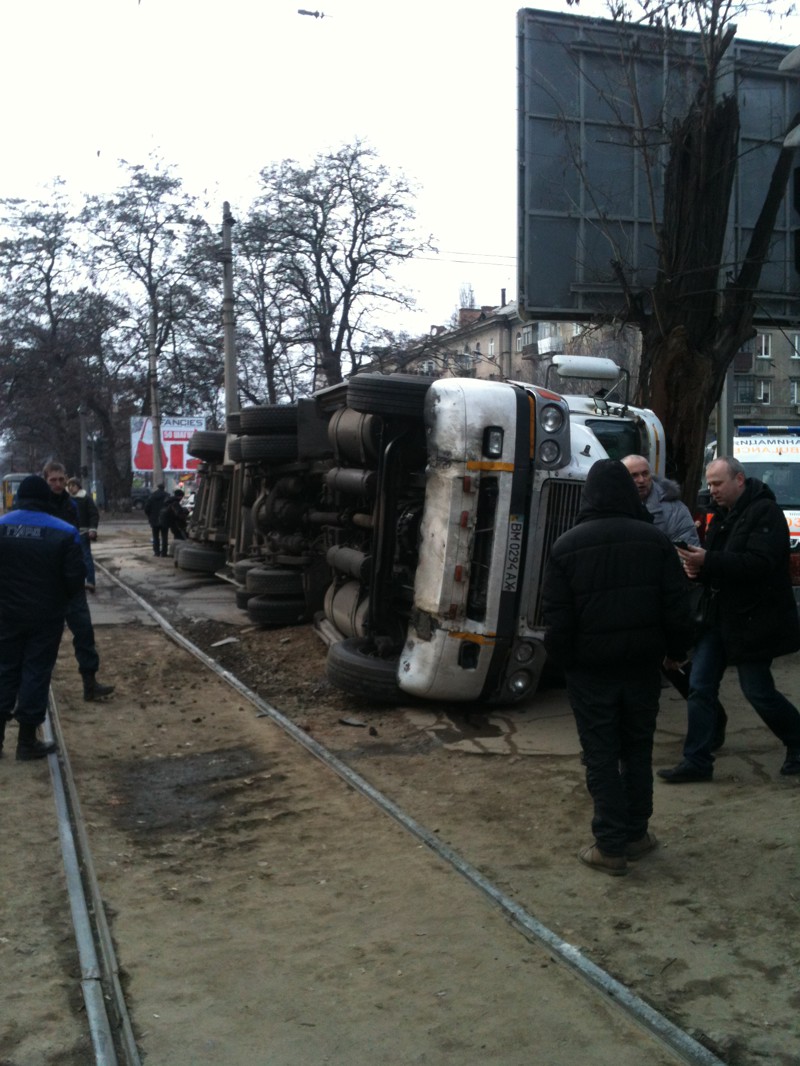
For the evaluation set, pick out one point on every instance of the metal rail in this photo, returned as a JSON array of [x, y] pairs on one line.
[[685, 1047], [106, 1010]]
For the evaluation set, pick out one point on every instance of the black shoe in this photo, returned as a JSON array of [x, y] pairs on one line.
[[792, 763], [683, 773], [36, 749], [93, 690]]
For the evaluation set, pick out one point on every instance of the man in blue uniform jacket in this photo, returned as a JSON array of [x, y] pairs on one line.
[[41, 568]]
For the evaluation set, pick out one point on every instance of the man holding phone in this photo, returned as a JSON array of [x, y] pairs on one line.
[[744, 567]]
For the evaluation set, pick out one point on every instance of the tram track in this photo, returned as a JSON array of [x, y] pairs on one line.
[[100, 972]]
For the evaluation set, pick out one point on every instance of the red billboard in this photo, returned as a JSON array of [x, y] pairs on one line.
[[175, 435]]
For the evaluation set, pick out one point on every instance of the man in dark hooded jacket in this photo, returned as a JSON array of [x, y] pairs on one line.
[[41, 568], [615, 608], [744, 567]]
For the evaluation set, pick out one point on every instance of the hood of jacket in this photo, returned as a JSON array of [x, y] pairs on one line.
[[665, 489], [610, 492]]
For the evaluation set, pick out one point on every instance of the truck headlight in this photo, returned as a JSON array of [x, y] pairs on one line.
[[493, 442], [549, 452], [552, 418]]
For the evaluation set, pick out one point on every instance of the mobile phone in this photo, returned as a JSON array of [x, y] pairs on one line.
[[680, 544]]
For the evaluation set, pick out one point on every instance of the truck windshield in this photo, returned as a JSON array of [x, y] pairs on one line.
[[619, 437], [782, 478]]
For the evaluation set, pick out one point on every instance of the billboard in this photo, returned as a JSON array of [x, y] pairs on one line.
[[592, 94], [175, 435]]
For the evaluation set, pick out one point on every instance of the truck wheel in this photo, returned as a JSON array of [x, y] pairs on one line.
[[268, 418], [393, 394], [278, 448], [265, 611], [235, 450], [243, 597], [207, 444], [242, 566], [203, 560], [233, 422], [352, 667], [263, 581]]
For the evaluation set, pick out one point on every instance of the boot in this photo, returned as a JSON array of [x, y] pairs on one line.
[[93, 690], [29, 747]]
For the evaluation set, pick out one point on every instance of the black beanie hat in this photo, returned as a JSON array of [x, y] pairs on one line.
[[34, 488]]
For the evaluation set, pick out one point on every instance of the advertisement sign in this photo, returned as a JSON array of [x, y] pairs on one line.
[[175, 435]]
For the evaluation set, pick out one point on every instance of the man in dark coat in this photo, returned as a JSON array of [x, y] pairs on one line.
[[79, 618], [153, 508], [41, 568], [615, 608], [745, 569]]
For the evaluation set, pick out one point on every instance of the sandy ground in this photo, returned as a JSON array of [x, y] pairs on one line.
[[266, 913]]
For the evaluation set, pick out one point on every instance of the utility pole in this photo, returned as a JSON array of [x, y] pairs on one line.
[[155, 406], [84, 462], [228, 316]]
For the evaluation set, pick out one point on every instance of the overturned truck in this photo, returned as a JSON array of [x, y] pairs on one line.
[[411, 519]]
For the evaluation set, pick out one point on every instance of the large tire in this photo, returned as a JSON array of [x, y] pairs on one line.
[[277, 449], [235, 450], [265, 611], [263, 581], [243, 597], [201, 559], [393, 394], [233, 422], [208, 445], [242, 566], [268, 418], [351, 667]]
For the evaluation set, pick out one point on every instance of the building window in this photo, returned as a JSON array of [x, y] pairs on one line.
[[794, 391], [763, 390], [491, 347], [527, 336], [519, 342], [744, 389], [427, 366], [764, 346], [794, 344]]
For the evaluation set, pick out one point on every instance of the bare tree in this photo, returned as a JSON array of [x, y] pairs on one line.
[[58, 335], [269, 317], [155, 248], [344, 222]]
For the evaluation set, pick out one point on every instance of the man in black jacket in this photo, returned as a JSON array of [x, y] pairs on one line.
[[745, 569], [615, 607], [41, 568], [153, 508], [79, 618]]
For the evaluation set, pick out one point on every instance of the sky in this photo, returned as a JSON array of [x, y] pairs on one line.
[[220, 90]]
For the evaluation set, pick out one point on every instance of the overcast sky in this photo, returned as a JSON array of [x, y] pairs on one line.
[[222, 89]]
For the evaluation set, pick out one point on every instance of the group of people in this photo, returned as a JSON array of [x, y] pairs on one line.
[[618, 610], [45, 571], [166, 515]]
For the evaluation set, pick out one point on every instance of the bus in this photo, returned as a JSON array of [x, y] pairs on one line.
[[11, 482]]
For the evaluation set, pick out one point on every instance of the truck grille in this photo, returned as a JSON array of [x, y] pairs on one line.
[[560, 503]]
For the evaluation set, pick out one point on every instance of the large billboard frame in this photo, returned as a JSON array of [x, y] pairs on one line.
[[584, 194]]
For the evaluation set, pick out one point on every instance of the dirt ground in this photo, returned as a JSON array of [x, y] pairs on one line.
[[266, 913]]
